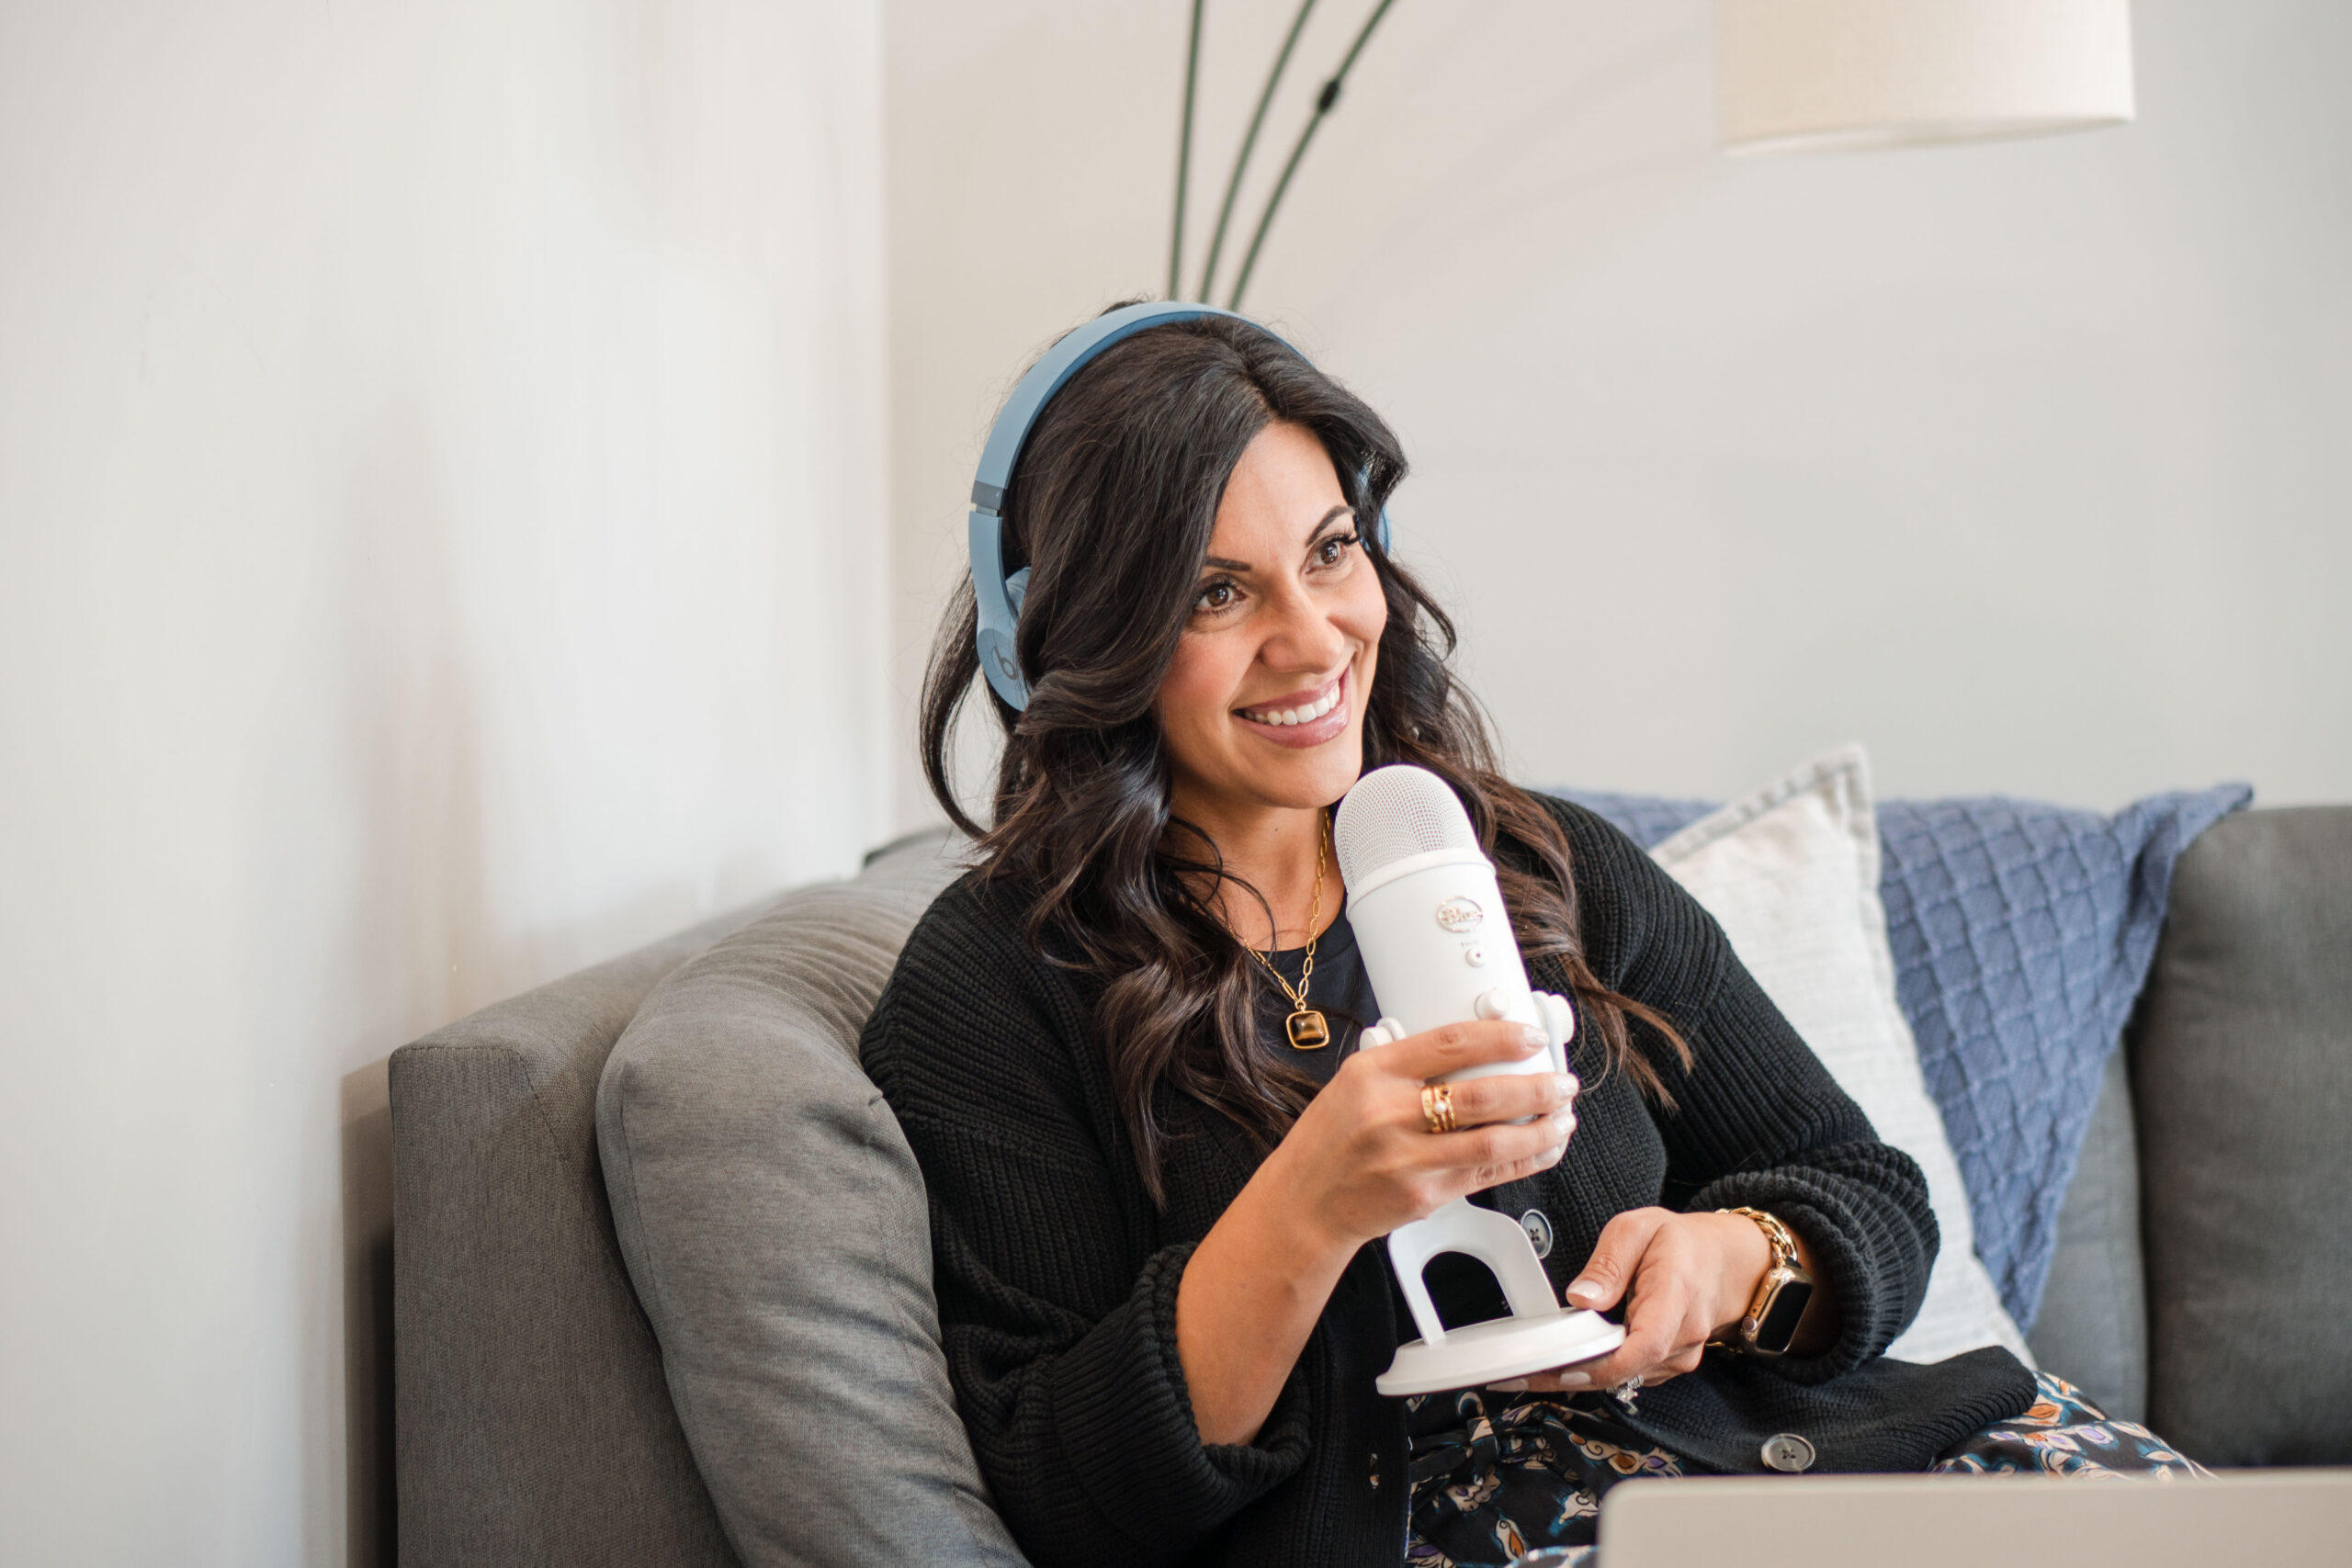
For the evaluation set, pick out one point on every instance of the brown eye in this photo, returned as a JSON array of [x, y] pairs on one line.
[[1216, 596], [1332, 551]]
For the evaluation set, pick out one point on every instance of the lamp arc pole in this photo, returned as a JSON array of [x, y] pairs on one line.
[[1250, 145], [1326, 99], [1185, 152]]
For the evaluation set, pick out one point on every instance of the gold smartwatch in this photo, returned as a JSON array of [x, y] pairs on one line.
[[1786, 1290]]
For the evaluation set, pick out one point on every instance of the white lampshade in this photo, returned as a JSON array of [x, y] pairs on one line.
[[1824, 76]]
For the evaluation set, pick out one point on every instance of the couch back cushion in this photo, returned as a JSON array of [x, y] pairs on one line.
[[2093, 1328], [2242, 1073], [773, 1221]]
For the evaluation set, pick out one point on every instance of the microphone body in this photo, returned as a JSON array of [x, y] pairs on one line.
[[1428, 919], [1438, 948]]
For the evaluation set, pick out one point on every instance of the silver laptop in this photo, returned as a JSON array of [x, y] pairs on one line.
[[2248, 1518]]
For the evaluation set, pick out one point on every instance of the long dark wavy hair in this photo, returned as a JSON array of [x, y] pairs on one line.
[[1112, 508]]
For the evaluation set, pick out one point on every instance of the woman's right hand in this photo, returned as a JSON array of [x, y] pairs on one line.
[[1362, 1160]]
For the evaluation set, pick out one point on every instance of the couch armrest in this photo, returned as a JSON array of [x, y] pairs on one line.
[[532, 1422]]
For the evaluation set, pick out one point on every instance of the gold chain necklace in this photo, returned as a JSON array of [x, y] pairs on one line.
[[1307, 1029]]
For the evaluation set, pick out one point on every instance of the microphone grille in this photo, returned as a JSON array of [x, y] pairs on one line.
[[1393, 812]]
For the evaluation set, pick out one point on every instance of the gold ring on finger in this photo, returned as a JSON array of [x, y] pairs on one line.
[[1437, 1107]]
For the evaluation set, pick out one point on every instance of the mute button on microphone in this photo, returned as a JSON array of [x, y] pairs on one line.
[[1475, 956]]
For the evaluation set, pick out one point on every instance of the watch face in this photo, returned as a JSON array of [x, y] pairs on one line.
[[1781, 1315]]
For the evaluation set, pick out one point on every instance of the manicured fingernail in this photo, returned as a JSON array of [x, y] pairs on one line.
[[1576, 1380], [1575, 1084], [1532, 1038], [1511, 1385], [1585, 1291], [1563, 1121], [1564, 1085]]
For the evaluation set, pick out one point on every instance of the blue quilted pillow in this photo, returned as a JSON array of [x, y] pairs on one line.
[[2022, 933]]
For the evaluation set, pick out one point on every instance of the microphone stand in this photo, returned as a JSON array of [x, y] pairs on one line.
[[1538, 1333]]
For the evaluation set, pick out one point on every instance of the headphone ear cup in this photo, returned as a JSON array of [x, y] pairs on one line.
[[1001, 666], [995, 644]]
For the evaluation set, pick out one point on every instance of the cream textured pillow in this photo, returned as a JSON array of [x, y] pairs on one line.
[[1792, 872]]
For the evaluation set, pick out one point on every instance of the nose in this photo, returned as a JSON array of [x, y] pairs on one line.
[[1301, 635]]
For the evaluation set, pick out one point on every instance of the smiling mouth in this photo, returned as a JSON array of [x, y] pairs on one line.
[[1289, 712]]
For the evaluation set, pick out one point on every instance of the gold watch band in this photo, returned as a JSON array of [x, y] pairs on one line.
[[1782, 1271], [1776, 1234]]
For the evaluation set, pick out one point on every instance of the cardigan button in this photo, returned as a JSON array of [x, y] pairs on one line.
[[1539, 1230], [1788, 1452]]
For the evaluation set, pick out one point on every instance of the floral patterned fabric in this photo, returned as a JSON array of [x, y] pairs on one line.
[[1492, 1485], [2064, 1434]]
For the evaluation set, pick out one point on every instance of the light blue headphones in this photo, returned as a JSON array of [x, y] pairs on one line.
[[1000, 597]]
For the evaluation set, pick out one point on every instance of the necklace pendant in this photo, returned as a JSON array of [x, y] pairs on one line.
[[1309, 1030]]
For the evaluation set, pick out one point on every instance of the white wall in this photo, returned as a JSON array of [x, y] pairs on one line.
[[442, 542], [2022, 463]]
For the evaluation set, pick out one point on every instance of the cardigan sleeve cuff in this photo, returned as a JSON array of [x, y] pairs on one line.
[[1871, 1255], [1123, 1415]]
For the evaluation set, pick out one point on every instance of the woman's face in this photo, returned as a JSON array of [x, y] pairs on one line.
[[1264, 703]]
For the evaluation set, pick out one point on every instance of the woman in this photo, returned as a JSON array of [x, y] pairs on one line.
[[1155, 1215]]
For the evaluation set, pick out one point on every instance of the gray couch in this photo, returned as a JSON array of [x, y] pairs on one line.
[[2202, 1277]]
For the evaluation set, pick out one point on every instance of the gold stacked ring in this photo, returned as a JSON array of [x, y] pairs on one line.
[[1437, 1107]]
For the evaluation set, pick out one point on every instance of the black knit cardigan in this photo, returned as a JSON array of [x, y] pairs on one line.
[[1056, 1275]]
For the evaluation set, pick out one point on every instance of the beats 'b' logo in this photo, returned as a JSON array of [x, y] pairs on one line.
[[999, 653]]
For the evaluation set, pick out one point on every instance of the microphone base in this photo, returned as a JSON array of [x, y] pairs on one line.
[[1503, 1348]]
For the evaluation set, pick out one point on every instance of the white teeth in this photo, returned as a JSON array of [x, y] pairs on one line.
[[1307, 715]]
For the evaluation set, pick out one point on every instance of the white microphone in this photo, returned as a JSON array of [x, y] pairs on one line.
[[1428, 919]]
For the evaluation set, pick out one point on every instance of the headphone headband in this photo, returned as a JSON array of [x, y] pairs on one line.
[[997, 597]]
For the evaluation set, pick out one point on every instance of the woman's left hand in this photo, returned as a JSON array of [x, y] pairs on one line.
[[1691, 1276]]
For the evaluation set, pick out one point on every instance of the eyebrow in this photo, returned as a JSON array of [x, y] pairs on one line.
[[1225, 563]]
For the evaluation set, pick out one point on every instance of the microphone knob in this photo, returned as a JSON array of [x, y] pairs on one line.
[[1491, 1004]]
